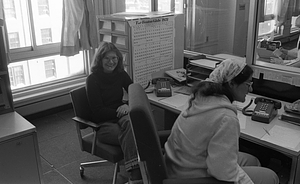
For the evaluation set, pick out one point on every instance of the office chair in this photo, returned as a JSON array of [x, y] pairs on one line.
[[151, 160], [89, 143]]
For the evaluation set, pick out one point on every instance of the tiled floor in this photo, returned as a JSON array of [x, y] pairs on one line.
[[61, 155]]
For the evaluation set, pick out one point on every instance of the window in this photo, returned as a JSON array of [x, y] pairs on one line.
[[137, 5], [266, 26], [10, 10], [34, 29], [50, 68], [43, 7], [148, 5], [14, 40], [16, 74], [46, 36], [281, 26], [274, 77]]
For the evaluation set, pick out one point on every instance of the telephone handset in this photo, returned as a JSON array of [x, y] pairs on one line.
[[265, 109], [162, 86]]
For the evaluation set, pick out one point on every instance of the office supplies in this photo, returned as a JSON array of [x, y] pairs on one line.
[[265, 110], [293, 108], [162, 86], [186, 90], [285, 137], [246, 111], [197, 70], [177, 74], [291, 118], [177, 101], [190, 55], [267, 131]]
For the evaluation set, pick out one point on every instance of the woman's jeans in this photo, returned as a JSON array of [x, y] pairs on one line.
[[259, 175], [120, 133]]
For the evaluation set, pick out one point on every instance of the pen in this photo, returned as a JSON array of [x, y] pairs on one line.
[[267, 131]]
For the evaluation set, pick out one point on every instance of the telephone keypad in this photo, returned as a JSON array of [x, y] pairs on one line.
[[264, 107]]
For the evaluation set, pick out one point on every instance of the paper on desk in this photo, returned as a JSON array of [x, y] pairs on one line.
[[177, 101], [242, 120], [177, 74], [206, 63], [282, 136]]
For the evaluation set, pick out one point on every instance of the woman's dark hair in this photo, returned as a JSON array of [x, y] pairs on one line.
[[207, 88], [101, 52]]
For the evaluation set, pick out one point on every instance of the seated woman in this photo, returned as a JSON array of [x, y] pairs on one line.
[[105, 87], [204, 141]]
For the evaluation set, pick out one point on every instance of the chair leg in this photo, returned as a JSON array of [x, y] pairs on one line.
[[93, 164], [116, 170]]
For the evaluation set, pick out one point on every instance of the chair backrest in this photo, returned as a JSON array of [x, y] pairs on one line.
[[145, 133], [80, 103]]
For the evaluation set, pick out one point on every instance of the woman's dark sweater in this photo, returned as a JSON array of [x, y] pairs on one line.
[[105, 93]]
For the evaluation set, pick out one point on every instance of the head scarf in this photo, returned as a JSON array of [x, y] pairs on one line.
[[226, 71]]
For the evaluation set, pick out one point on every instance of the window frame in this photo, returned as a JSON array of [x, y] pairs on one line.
[[287, 31], [51, 89]]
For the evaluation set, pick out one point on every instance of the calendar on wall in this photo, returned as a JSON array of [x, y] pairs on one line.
[[152, 46]]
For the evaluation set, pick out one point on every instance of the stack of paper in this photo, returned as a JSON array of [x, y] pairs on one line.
[[178, 101], [205, 63], [177, 74]]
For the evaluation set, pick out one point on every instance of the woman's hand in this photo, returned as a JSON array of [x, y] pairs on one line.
[[277, 60], [122, 110]]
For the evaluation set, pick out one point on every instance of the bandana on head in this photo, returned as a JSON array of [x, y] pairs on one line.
[[226, 71]]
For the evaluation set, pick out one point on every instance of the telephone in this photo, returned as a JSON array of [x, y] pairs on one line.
[[162, 86], [265, 109]]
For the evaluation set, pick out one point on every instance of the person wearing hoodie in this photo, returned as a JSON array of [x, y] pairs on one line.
[[204, 140]]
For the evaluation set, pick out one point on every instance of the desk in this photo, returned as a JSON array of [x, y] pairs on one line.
[[252, 131], [19, 155]]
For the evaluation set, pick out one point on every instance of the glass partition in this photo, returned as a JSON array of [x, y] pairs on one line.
[[217, 27], [273, 53], [277, 35]]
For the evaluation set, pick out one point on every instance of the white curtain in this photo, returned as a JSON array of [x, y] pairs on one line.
[[281, 13], [79, 30], [296, 8]]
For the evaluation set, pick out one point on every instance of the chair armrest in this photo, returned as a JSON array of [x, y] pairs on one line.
[[163, 136], [86, 122], [208, 180]]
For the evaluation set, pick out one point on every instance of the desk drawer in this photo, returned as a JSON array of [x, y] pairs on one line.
[[18, 161]]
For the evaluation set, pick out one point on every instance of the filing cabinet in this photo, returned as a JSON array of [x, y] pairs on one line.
[[19, 155], [18, 161], [116, 30]]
